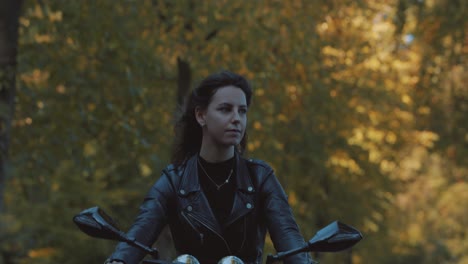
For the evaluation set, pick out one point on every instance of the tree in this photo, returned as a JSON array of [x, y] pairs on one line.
[[427, 220], [9, 25], [344, 95]]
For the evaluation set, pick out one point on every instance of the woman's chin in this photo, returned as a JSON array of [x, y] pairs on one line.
[[231, 143]]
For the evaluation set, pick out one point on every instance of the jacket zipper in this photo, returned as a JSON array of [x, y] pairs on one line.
[[205, 225], [200, 234], [245, 231]]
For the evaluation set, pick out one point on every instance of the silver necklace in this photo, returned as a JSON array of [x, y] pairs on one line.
[[218, 186]]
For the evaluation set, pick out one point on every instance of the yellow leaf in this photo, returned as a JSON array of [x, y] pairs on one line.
[[387, 166], [91, 107], [282, 118], [292, 198], [391, 137], [145, 169], [370, 225], [55, 16], [415, 234], [341, 159], [55, 186], [278, 145], [90, 149], [43, 38], [375, 135], [424, 110], [41, 252], [38, 12], [250, 146], [406, 99], [257, 125], [60, 89], [259, 92], [427, 138], [24, 22]]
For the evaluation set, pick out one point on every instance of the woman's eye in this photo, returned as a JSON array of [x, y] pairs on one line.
[[242, 111]]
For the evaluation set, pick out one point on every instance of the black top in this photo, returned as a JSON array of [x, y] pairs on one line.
[[220, 194]]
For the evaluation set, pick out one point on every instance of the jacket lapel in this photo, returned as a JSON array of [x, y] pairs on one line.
[[194, 200], [244, 195]]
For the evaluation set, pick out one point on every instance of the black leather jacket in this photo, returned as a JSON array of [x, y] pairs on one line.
[[260, 204]]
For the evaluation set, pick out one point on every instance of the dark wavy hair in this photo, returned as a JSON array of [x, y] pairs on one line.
[[188, 133]]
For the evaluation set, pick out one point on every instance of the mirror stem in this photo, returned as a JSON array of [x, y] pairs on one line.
[[285, 254], [132, 241]]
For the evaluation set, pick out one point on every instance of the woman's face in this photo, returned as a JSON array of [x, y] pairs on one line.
[[224, 120]]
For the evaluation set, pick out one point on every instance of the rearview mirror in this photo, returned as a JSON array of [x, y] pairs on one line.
[[334, 237], [96, 223]]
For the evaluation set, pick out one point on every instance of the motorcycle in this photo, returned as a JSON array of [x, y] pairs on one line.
[[334, 237]]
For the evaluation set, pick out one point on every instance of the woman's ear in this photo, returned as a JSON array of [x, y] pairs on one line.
[[200, 116]]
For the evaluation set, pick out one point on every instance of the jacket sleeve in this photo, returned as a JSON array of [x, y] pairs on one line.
[[281, 224], [148, 224]]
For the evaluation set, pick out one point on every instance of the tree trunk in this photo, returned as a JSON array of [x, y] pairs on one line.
[[184, 80], [9, 24], [165, 243]]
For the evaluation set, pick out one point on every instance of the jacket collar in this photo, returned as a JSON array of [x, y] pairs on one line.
[[190, 182]]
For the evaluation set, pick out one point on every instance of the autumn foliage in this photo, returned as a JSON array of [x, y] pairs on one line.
[[361, 107]]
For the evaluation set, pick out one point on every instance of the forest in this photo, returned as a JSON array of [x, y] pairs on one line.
[[361, 108]]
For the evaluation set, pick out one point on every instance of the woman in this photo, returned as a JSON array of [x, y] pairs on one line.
[[215, 202]]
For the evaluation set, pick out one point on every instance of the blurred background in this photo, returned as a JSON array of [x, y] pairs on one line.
[[361, 107]]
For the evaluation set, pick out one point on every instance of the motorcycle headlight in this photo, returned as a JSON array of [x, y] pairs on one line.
[[188, 259], [230, 260]]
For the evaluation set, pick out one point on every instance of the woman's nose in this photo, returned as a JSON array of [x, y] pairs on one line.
[[235, 117]]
